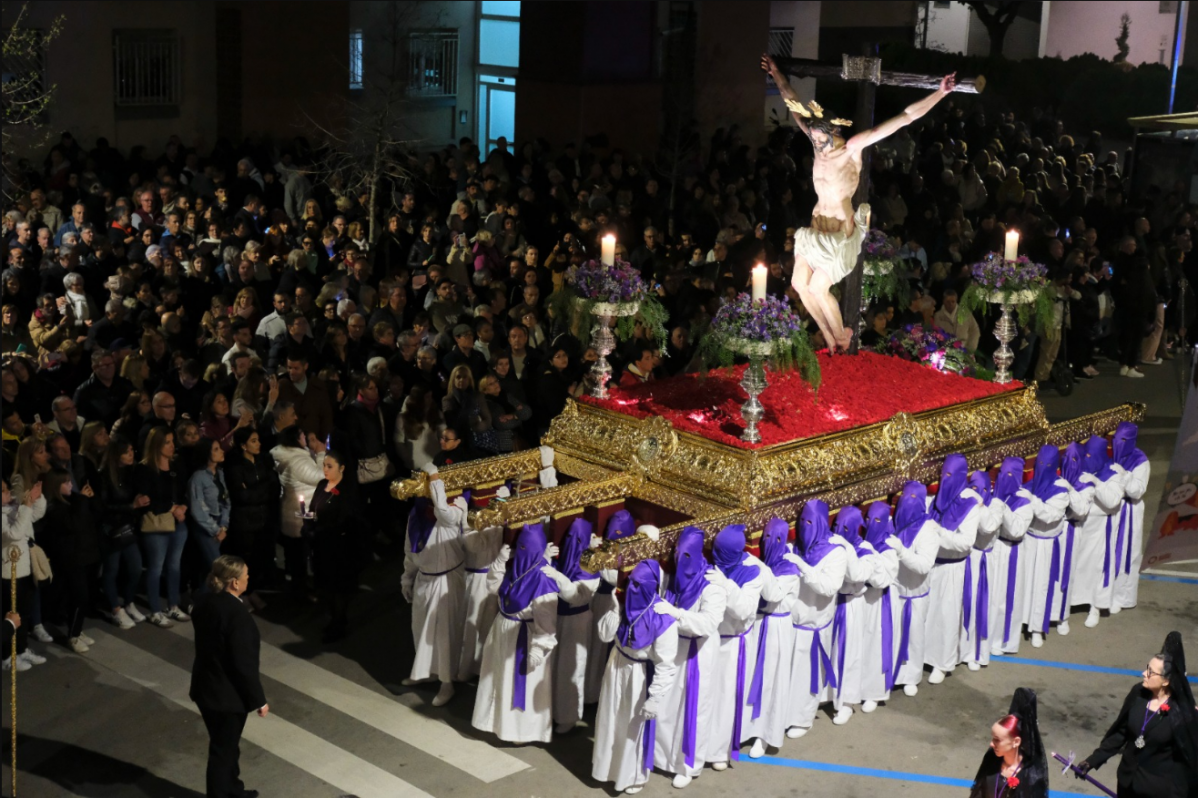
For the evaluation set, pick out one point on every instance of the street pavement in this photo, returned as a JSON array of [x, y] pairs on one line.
[[117, 721]]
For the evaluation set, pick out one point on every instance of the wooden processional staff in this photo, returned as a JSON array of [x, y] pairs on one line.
[[14, 556]]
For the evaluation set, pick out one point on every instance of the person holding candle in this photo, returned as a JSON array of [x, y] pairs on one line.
[[300, 471]]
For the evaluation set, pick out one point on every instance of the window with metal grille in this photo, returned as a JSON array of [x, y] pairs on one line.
[[780, 43], [433, 63], [23, 73], [146, 67], [355, 58]]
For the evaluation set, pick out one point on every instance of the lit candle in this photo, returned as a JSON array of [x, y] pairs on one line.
[[608, 250], [1012, 245], [759, 275], [301, 508]]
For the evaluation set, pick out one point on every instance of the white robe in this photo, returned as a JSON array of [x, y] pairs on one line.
[[848, 644], [812, 619], [777, 600], [1044, 533], [481, 549], [698, 627], [1009, 556], [1131, 519], [574, 631], [983, 564], [620, 729], [912, 584], [1094, 545], [1080, 502], [433, 577], [739, 614], [880, 598], [946, 608], [493, 710], [598, 650]]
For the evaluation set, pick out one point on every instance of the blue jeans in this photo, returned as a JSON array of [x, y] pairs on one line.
[[163, 550], [130, 557]]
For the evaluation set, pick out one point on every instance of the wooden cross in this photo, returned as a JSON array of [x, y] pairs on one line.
[[866, 71]]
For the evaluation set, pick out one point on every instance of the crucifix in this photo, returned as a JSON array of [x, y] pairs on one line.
[[830, 250]]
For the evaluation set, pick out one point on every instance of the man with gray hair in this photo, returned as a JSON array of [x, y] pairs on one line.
[[72, 225], [67, 420], [162, 414]]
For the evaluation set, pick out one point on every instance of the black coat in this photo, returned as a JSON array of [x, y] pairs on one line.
[[337, 544], [224, 676], [1163, 766], [253, 493], [68, 532]]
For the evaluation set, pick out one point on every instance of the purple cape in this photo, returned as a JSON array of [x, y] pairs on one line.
[[640, 624], [1044, 480], [620, 526], [1010, 480], [773, 548], [911, 512], [950, 507], [729, 555], [848, 525], [689, 566], [1097, 461], [421, 521], [524, 582], [577, 541], [878, 526], [1124, 445], [813, 531], [1074, 465]]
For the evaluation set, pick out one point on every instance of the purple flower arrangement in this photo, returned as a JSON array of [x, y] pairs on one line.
[[761, 322], [1020, 282], [930, 346], [614, 284], [766, 329], [878, 246], [995, 273]]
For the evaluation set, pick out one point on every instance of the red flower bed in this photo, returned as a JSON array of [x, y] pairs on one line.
[[856, 391]]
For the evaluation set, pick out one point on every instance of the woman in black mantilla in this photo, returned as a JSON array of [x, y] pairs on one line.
[[1016, 765], [1155, 732], [336, 546]]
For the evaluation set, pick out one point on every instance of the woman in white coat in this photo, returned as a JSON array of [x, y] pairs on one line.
[[880, 642], [299, 473], [515, 688], [822, 566], [956, 511], [848, 628], [981, 574], [1132, 464], [771, 644], [916, 538], [19, 517], [1093, 577], [1048, 495], [684, 725], [574, 627], [639, 675], [1006, 591]]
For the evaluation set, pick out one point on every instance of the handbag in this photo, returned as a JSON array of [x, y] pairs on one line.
[[158, 522], [372, 469], [39, 564], [120, 535]]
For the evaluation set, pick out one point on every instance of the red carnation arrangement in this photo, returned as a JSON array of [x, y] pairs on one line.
[[1013, 782], [1164, 707]]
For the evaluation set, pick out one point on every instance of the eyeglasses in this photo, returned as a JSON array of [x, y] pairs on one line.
[[1148, 670], [445, 439]]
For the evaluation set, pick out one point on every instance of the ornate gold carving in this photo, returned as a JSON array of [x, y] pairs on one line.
[[541, 503], [519, 465]]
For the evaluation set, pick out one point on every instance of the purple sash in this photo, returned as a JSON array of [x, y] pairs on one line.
[[819, 656], [1068, 569], [1119, 541], [887, 640], [967, 592], [734, 751], [1054, 574], [1106, 557], [1130, 534], [755, 687], [983, 609], [905, 633], [840, 624], [649, 725], [1012, 578], [690, 703], [521, 676]]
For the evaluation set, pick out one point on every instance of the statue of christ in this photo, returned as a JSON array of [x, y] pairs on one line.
[[827, 251]]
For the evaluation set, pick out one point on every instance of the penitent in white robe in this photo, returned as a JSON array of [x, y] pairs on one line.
[[481, 605], [771, 662], [1006, 591], [877, 607], [811, 665], [574, 631], [848, 642], [946, 600], [983, 575], [598, 650], [1094, 545], [493, 709], [1080, 502], [912, 585], [731, 682], [620, 730], [1125, 565], [1044, 552], [434, 578], [698, 642]]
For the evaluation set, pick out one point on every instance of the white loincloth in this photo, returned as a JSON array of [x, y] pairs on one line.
[[834, 254]]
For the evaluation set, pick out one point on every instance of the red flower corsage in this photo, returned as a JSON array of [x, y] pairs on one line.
[[334, 491], [1164, 707], [1013, 782]]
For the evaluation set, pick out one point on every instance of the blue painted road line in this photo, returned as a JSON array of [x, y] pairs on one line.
[[1178, 579], [874, 773], [1075, 666]]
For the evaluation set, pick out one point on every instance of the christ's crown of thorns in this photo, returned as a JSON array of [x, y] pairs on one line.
[[815, 110]]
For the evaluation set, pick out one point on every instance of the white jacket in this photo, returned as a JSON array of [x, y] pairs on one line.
[[18, 533], [299, 473]]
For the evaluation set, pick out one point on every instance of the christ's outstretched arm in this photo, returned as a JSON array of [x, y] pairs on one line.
[[913, 111], [784, 88]]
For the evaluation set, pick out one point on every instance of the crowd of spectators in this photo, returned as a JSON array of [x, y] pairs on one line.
[[193, 339]]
